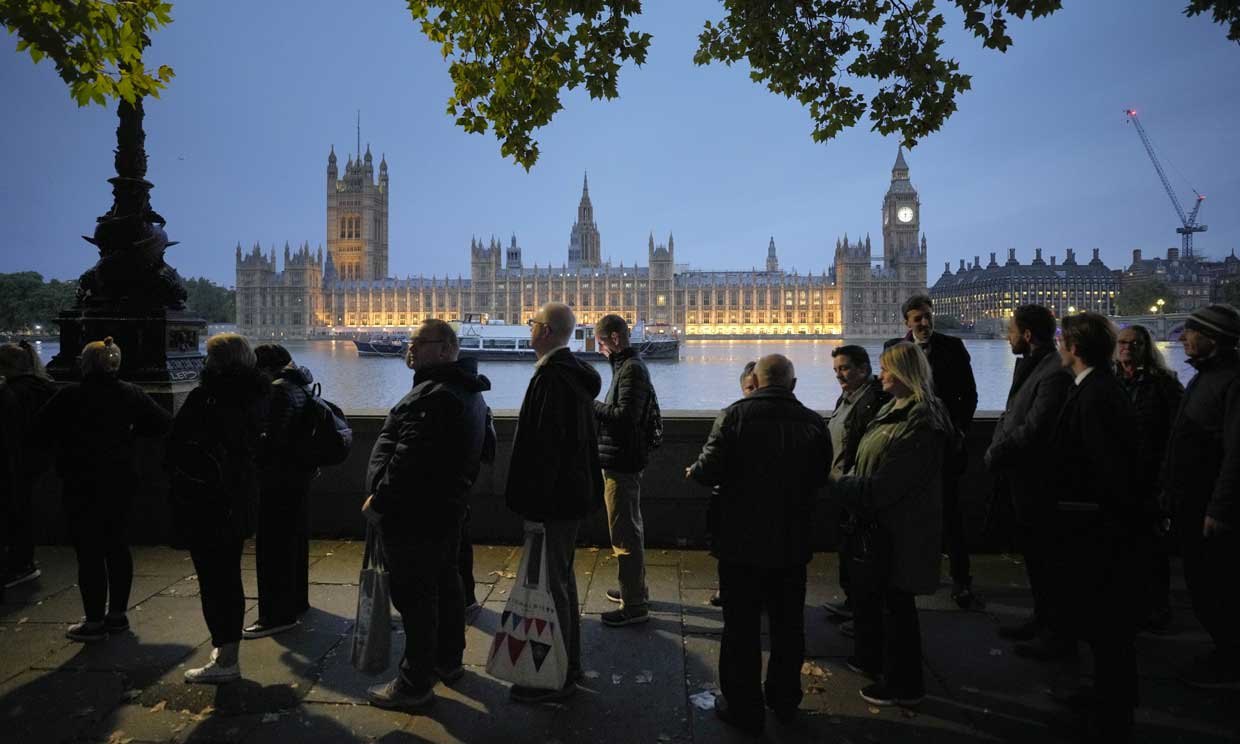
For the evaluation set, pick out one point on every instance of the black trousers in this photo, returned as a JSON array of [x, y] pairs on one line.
[[465, 563], [97, 520], [750, 591], [218, 563], [1034, 533], [888, 638], [18, 527], [954, 543], [426, 590], [1210, 572], [282, 552]]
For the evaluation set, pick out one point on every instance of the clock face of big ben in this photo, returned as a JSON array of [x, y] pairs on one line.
[[904, 214]]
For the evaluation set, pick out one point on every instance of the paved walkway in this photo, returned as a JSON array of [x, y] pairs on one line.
[[641, 681]]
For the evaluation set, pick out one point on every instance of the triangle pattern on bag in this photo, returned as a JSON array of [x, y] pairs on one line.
[[503, 619], [515, 647], [495, 645], [516, 620], [528, 622], [539, 625], [539, 651]]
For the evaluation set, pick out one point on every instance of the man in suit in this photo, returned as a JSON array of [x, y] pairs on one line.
[[1018, 454], [1096, 550], [957, 390]]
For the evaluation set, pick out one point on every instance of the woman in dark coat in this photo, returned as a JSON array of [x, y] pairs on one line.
[[24, 389], [212, 451], [1155, 394], [92, 426], [894, 491]]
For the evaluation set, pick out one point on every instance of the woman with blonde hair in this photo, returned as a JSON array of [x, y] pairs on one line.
[[93, 426], [24, 389], [894, 489], [212, 451]]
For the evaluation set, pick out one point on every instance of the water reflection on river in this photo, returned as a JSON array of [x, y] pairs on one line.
[[705, 378]]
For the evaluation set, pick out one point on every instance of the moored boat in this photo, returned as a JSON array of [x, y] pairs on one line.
[[495, 341], [383, 346]]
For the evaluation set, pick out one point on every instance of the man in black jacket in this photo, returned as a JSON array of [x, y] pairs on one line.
[[282, 540], [423, 464], [1201, 481], [623, 450], [860, 398], [771, 454], [1018, 453], [554, 476], [1096, 559], [956, 389]]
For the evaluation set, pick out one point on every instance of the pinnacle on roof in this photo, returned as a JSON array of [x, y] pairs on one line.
[[368, 156], [900, 164], [331, 155]]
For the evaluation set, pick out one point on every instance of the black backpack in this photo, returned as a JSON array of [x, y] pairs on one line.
[[324, 436], [653, 421]]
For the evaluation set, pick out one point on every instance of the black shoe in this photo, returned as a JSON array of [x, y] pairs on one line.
[[842, 610], [625, 616], [21, 575], [880, 694], [533, 695], [1023, 631], [854, 664], [450, 674], [1046, 647], [395, 695], [724, 713], [614, 595], [716, 600], [116, 623], [262, 629], [87, 632]]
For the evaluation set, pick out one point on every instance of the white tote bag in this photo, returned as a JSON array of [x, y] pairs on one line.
[[528, 649]]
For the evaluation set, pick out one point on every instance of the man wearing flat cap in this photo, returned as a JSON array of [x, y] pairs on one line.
[[1201, 477]]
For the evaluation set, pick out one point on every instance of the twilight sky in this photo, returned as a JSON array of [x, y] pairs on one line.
[[1038, 156]]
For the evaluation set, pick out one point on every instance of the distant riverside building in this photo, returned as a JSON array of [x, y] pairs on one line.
[[975, 293], [347, 288], [1194, 282]]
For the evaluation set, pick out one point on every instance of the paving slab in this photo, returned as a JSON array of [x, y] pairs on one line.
[[160, 560], [663, 583], [65, 607], [23, 645], [52, 706], [341, 566]]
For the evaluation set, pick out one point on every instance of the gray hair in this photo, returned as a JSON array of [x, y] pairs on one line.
[[776, 370], [226, 351], [560, 321]]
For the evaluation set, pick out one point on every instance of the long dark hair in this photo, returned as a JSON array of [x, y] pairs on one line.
[[1150, 357]]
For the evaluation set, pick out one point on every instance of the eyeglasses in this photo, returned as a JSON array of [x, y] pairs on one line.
[[531, 323]]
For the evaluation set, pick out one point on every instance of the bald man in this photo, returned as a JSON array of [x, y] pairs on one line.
[[770, 455], [554, 476]]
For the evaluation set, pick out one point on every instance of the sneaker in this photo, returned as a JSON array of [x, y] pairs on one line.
[[395, 695], [614, 596], [533, 695], [1212, 671], [724, 713], [262, 629], [854, 664], [716, 600], [116, 623], [450, 674], [842, 610], [848, 629], [22, 575], [1026, 630], [214, 673], [879, 694], [87, 632], [625, 616]]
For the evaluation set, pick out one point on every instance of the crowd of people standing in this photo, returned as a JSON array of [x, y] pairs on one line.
[[1109, 463]]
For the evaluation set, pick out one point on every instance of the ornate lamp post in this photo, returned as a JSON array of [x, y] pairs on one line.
[[131, 293]]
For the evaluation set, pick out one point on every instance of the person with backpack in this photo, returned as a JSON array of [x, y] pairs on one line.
[[422, 466], [213, 451], [92, 426], [25, 389], [282, 538], [623, 449]]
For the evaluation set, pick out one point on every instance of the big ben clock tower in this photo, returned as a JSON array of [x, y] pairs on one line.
[[901, 214]]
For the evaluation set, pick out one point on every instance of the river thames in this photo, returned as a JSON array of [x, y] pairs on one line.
[[705, 378]]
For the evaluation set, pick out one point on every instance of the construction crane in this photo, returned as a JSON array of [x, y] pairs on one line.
[[1188, 223]]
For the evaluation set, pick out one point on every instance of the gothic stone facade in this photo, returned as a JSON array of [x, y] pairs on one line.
[[347, 287]]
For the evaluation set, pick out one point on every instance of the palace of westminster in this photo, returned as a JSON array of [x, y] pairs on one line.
[[348, 287]]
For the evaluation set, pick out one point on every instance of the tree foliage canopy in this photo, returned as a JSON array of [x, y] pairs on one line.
[[215, 304], [510, 60], [96, 45], [1137, 298], [27, 301]]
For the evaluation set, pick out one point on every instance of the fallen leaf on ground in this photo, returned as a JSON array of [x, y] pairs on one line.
[[590, 674], [271, 717], [617, 679], [645, 677], [810, 669], [875, 710], [157, 707], [503, 574], [118, 737]]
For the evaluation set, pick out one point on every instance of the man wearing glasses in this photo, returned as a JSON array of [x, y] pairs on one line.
[[421, 469], [555, 476]]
